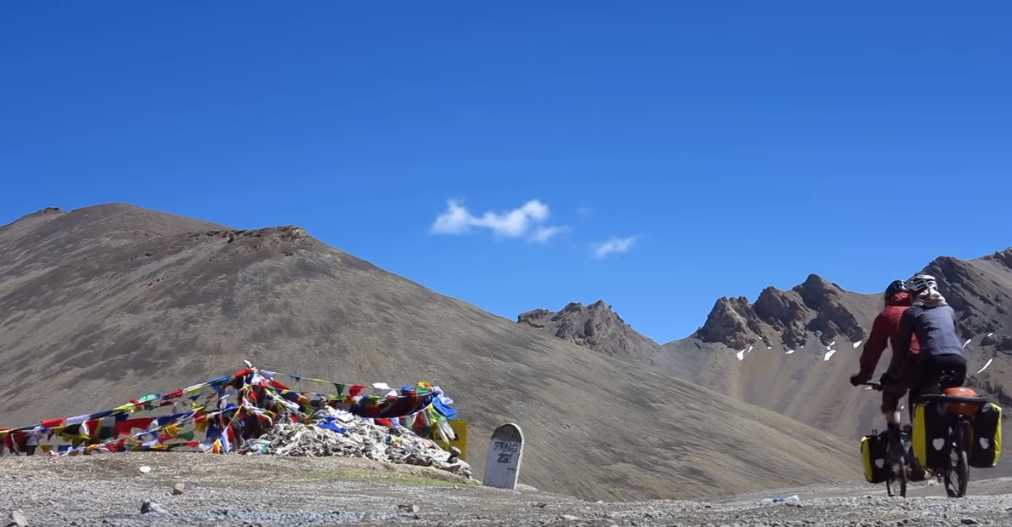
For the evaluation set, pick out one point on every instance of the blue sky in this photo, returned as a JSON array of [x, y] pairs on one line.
[[715, 149]]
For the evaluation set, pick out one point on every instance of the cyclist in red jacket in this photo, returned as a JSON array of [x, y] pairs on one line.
[[886, 331]]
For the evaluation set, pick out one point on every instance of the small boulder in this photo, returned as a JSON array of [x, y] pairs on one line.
[[408, 508], [150, 507], [17, 519], [178, 488]]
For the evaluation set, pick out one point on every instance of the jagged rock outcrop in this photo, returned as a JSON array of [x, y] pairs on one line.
[[732, 322], [832, 317], [596, 326], [1004, 257], [785, 312], [979, 290], [816, 306]]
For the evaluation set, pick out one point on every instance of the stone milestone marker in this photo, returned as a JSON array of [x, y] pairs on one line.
[[502, 468]]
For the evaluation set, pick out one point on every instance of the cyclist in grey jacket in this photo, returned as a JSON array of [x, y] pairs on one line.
[[933, 321]]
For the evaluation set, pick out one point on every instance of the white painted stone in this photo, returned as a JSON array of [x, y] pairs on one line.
[[505, 451]]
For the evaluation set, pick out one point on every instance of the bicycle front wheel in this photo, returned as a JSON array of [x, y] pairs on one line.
[[896, 484]]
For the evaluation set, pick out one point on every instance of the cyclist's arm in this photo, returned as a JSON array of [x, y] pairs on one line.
[[906, 335], [873, 348]]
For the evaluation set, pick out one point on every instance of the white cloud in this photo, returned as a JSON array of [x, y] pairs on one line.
[[455, 220], [613, 246], [526, 221], [543, 234]]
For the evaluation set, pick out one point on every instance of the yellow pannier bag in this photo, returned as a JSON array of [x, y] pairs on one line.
[[873, 458]]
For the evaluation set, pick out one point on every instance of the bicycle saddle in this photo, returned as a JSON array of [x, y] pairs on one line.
[[949, 379]]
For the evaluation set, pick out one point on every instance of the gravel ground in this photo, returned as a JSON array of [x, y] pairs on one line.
[[275, 491]]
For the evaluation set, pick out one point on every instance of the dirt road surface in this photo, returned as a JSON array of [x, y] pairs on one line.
[[272, 491]]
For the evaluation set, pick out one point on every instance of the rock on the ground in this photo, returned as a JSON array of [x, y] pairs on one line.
[[151, 507], [17, 519]]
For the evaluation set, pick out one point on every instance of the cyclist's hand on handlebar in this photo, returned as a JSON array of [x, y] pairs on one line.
[[858, 379]]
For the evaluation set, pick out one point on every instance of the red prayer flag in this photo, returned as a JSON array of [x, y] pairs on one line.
[[53, 423]]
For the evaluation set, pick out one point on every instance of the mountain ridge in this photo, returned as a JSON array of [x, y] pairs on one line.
[[792, 351], [101, 304]]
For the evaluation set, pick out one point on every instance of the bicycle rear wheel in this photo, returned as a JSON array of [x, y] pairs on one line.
[[957, 473]]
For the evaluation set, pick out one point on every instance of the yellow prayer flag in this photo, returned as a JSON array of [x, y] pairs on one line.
[[459, 427]]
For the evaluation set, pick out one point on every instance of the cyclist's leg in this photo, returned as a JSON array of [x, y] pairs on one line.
[[911, 401], [957, 363], [891, 396], [928, 372]]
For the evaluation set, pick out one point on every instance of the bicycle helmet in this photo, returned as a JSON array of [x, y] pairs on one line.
[[897, 286], [921, 282]]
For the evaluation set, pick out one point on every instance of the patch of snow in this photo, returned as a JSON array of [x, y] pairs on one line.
[[828, 355]]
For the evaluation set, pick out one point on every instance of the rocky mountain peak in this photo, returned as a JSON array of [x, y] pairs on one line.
[[596, 326], [45, 211], [785, 312], [979, 294], [1004, 257], [732, 321], [535, 318], [41, 213], [815, 306], [816, 291]]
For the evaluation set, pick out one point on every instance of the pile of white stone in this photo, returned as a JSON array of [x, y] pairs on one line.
[[358, 438]]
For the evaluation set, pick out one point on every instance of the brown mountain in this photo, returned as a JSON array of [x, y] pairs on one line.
[[105, 303], [596, 326], [793, 351]]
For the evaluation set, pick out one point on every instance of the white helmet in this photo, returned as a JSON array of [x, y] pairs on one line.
[[921, 282]]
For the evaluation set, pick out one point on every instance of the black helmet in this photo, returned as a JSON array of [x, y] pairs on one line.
[[896, 286]]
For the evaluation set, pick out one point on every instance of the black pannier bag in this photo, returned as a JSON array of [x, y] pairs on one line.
[[986, 449]]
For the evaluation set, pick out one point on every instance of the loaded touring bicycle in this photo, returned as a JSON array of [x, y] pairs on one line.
[[953, 430]]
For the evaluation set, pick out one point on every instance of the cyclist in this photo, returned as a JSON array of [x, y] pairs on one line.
[[885, 331], [933, 323]]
